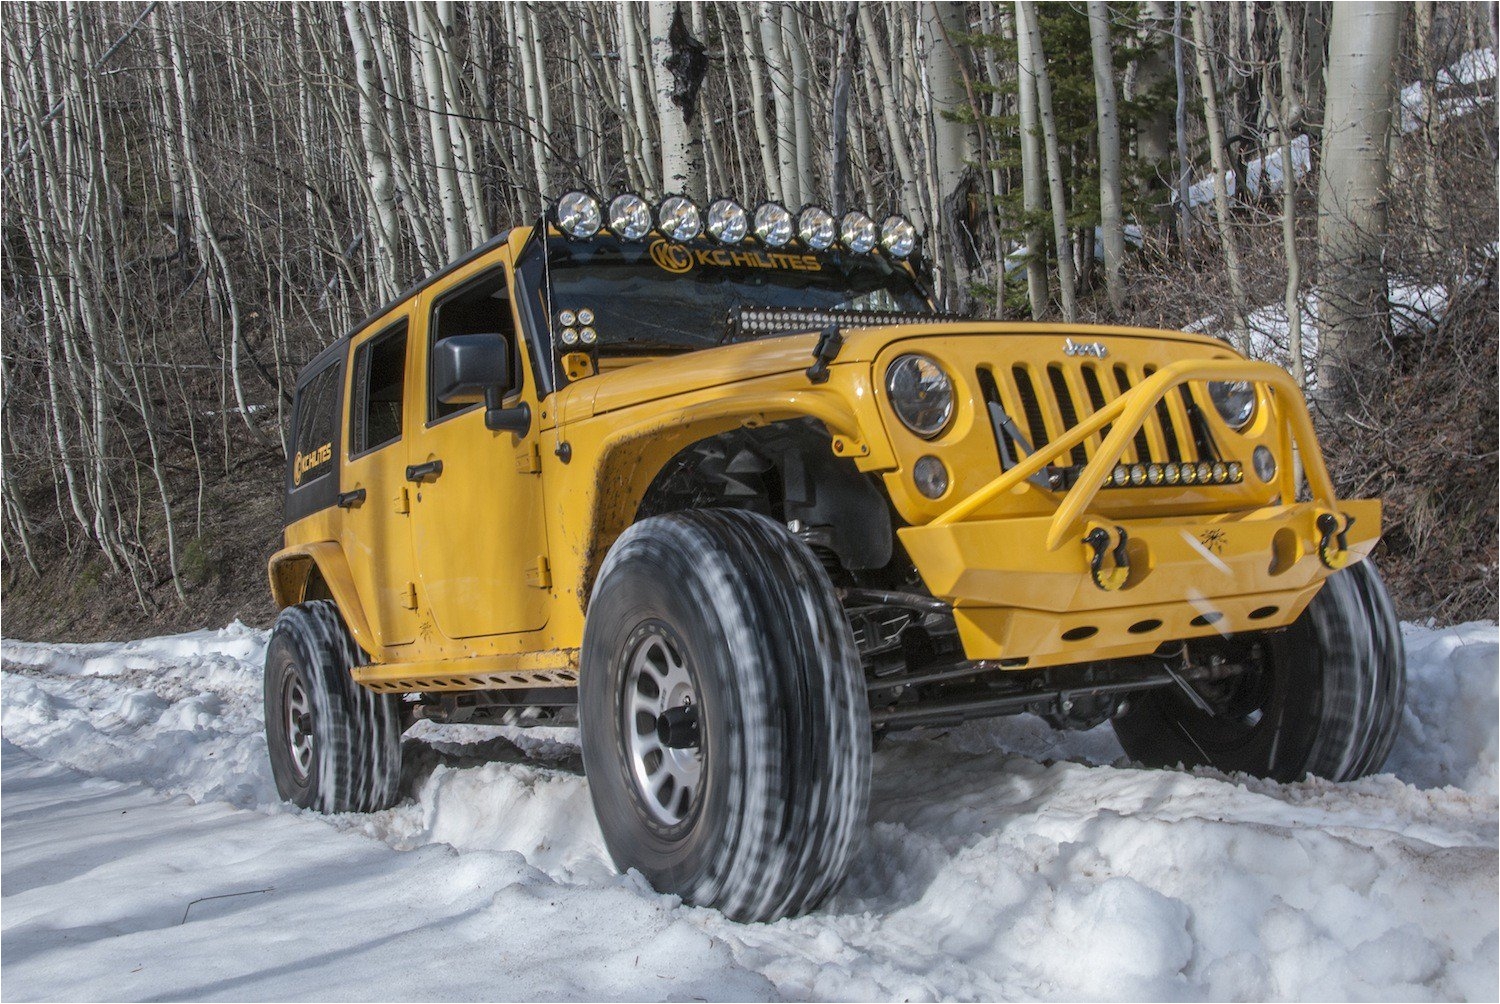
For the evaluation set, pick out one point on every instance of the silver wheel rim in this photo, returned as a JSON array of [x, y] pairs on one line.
[[298, 725], [666, 779]]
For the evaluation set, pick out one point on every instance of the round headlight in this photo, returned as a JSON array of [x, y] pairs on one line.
[[931, 477], [1235, 401], [588, 336], [857, 232], [898, 236], [727, 222], [921, 394], [677, 218], [569, 336], [629, 217], [577, 215], [815, 227], [773, 224]]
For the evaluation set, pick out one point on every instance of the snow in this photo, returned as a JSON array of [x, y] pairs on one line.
[[1003, 860], [1458, 88]]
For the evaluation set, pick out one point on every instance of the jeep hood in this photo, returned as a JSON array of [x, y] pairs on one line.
[[661, 378]]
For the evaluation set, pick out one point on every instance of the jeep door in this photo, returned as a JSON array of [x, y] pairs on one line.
[[477, 526], [376, 531]]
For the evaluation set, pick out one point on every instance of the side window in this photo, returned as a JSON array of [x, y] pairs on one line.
[[317, 421], [481, 307], [379, 385]]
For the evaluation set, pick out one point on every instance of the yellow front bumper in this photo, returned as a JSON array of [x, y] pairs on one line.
[[1188, 576], [1029, 589]]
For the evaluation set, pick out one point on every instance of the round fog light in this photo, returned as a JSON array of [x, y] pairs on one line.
[[569, 336], [1155, 474], [1121, 475], [931, 477], [1137, 474], [1264, 463]]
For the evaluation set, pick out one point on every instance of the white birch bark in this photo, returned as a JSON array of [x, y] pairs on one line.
[[1066, 281], [1111, 213]]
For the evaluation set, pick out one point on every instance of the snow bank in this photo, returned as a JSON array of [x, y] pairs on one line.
[[1004, 860]]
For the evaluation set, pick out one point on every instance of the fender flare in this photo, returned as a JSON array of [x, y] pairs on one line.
[[290, 569]]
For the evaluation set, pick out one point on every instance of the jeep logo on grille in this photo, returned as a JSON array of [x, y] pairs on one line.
[[1095, 349]]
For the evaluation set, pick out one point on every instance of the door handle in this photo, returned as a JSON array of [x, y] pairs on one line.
[[348, 500], [425, 472]]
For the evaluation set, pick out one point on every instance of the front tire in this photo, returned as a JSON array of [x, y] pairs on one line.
[[1322, 697], [335, 746], [726, 733]]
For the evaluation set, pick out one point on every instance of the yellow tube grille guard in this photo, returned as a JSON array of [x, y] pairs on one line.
[[1129, 412]]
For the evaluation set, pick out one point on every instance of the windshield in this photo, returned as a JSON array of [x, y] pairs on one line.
[[659, 296]]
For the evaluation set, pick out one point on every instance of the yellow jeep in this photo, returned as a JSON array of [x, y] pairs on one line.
[[725, 489]]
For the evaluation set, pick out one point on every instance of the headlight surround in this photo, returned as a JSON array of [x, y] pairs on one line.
[[1234, 400], [921, 394]]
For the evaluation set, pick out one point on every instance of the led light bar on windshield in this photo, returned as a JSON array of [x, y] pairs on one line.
[[580, 215]]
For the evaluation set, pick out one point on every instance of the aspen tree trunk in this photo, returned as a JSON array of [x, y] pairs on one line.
[[676, 94], [1432, 216], [781, 99], [1364, 42], [1184, 167], [1112, 223], [1221, 179], [750, 39], [839, 124], [1032, 180], [382, 205], [802, 117], [956, 146], [1154, 127], [1286, 117], [886, 100], [1027, 27]]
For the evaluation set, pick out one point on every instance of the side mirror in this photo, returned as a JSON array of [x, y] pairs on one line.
[[467, 369]]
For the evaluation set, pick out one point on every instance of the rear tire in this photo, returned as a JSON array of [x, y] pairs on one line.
[[335, 746], [726, 733], [1325, 696]]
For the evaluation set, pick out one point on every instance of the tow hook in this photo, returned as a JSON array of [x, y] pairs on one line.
[[1333, 541], [1100, 540]]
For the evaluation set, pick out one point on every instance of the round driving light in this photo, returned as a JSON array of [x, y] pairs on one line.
[[1234, 400], [898, 236], [1236, 472], [815, 227], [921, 394], [588, 336], [1154, 474], [566, 318], [577, 215], [1205, 473], [857, 232], [773, 224], [1264, 464], [727, 222], [678, 219], [629, 217], [1121, 475], [1221, 473], [585, 316], [1189, 474], [931, 477], [569, 336], [1173, 474], [1137, 474]]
